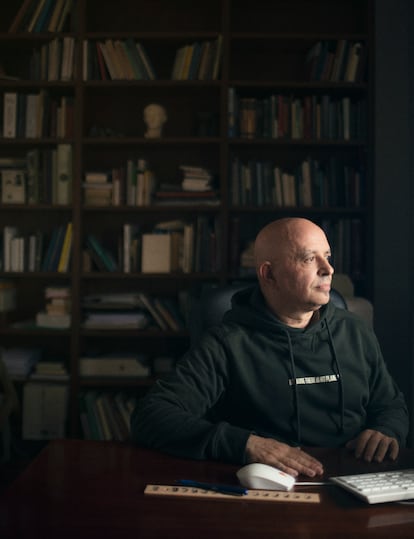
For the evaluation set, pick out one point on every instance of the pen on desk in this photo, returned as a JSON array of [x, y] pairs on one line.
[[223, 489]]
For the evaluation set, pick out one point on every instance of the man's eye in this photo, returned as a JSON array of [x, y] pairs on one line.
[[309, 259]]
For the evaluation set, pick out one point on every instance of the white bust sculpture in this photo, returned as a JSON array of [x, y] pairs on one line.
[[155, 117]]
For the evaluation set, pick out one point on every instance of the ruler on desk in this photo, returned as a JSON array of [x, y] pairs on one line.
[[252, 495]]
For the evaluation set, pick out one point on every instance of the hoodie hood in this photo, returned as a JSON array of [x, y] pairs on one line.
[[249, 309]]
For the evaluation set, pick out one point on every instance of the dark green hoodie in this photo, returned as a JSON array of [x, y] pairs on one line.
[[318, 386]]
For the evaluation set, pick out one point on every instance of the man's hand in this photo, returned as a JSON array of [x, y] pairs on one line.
[[373, 445], [291, 460]]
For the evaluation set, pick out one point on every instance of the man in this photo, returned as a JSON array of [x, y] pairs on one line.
[[285, 369]]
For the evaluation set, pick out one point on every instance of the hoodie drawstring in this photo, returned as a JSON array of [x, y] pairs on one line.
[[295, 388], [294, 384], [339, 374]]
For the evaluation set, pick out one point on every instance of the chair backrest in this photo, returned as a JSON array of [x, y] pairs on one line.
[[8, 404], [215, 300]]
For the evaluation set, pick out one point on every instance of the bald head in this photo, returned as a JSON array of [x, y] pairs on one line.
[[276, 239]]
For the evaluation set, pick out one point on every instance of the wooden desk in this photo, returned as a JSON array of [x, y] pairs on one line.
[[82, 489]]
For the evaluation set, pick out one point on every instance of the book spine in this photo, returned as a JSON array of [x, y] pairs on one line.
[[64, 174], [63, 264], [33, 171], [9, 114]]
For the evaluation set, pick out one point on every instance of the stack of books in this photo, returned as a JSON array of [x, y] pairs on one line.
[[57, 312], [50, 370], [196, 187], [97, 189], [196, 178], [119, 365], [114, 310], [115, 320]]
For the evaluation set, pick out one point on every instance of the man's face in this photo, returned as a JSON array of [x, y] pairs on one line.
[[303, 275]]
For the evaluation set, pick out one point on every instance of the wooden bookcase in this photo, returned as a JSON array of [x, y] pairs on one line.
[[264, 51]]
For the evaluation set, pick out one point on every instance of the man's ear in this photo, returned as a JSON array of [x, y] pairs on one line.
[[265, 271]]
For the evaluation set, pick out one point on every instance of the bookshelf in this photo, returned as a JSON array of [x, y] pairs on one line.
[[259, 102]]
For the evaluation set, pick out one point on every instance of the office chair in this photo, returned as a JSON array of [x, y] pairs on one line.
[[215, 300], [8, 404]]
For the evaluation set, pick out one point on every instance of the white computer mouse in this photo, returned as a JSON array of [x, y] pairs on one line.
[[263, 476]]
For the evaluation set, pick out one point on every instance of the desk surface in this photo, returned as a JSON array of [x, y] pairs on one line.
[[96, 489]]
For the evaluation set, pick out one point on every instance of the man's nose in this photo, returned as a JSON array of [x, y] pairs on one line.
[[325, 267]]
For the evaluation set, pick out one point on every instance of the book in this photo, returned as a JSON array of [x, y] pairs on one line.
[[55, 15], [63, 264], [195, 61], [167, 315], [205, 59], [64, 175], [54, 59], [102, 417], [185, 68], [119, 401], [112, 301], [114, 59], [108, 60], [138, 67], [354, 56], [67, 58], [103, 71], [109, 411], [114, 365], [146, 61], [13, 186], [22, 13], [44, 410], [187, 263], [89, 399], [130, 234], [9, 114], [66, 11], [9, 232], [50, 371], [56, 249], [33, 176], [127, 69], [217, 58], [338, 63], [121, 426], [178, 62], [57, 292], [43, 19], [36, 15], [153, 311], [86, 423], [104, 255], [55, 321], [96, 176], [115, 319], [51, 248], [32, 103], [156, 253]]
